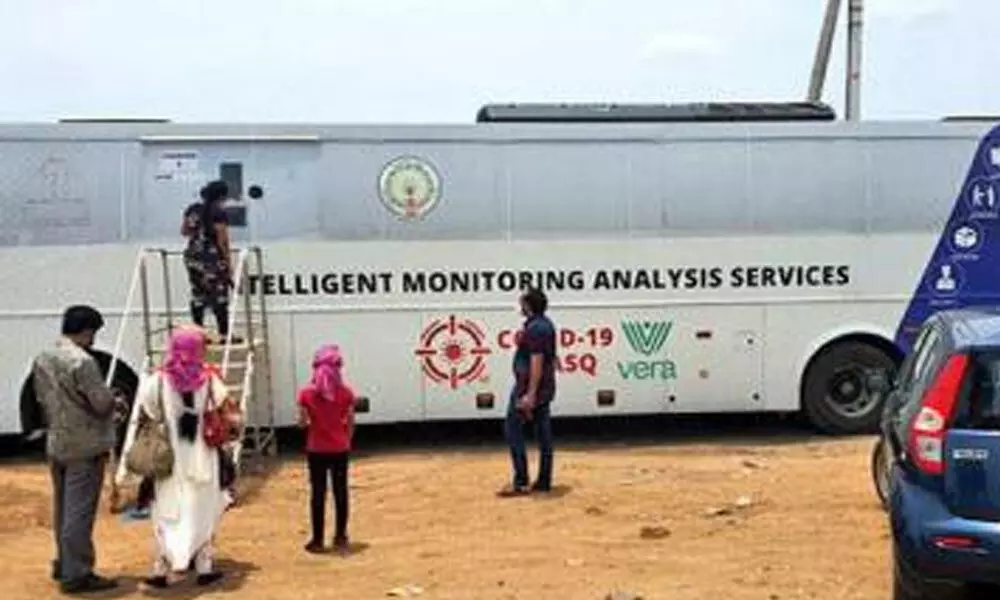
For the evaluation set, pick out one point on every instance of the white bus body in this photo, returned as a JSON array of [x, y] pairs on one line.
[[690, 267]]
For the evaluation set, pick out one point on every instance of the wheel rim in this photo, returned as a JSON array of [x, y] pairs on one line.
[[846, 394]]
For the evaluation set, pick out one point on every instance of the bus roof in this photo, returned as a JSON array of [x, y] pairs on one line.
[[712, 112]]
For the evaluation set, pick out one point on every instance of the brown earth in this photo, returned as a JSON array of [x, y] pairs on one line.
[[701, 521]]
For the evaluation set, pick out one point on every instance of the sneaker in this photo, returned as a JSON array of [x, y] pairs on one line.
[[314, 547], [88, 584], [539, 488]]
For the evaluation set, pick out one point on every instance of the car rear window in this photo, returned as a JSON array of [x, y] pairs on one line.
[[982, 392]]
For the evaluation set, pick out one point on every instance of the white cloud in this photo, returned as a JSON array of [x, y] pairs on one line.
[[681, 45]]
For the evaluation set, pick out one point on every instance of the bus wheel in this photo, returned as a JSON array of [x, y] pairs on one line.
[[834, 396]]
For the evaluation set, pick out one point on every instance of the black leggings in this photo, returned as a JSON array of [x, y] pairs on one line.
[[322, 466], [209, 291]]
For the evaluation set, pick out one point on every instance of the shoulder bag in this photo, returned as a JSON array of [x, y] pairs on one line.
[[151, 454], [216, 420]]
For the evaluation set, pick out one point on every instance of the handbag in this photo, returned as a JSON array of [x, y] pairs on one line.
[[214, 421], [151, 454]]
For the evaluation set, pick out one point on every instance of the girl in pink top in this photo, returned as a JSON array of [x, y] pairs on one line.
[[326, 411]]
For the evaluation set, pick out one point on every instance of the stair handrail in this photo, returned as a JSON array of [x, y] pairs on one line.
[[244, 406], [140, 259], [237, 284]]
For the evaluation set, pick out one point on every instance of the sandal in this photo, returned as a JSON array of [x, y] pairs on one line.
[[206, 579], [158, 582]]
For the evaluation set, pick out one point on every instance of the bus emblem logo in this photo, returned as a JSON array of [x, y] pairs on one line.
[[646, 337], [409, 187], [453, 351]]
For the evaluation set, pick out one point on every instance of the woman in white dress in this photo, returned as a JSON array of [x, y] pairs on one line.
[[189, 504]]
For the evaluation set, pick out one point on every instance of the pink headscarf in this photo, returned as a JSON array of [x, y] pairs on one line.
[[185, 363], [326, 375]]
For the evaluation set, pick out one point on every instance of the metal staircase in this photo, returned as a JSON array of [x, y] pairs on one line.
[[243, 356]]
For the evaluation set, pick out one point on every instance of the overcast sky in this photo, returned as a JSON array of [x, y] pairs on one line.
[[439, 60]]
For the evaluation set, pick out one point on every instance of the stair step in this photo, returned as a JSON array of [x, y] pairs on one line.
[[219, 348]]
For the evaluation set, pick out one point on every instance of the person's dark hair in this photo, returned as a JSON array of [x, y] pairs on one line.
[[80, 318], [536, 300], [213, 192]]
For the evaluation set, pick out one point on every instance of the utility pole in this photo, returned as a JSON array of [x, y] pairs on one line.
[[821, 60], [852, 99]]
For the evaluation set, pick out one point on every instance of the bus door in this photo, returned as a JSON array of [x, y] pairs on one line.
[[273, 186]]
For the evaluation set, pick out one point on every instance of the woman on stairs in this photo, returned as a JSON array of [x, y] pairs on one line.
[[208, 256]]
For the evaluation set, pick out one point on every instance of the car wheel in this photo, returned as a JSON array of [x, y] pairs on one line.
[[908, 585], [835, 396], [881, 469], [904, 588]]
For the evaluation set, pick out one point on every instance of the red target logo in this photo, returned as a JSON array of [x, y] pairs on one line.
[[453, 350]]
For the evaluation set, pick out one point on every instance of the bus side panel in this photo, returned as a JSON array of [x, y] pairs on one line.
[[473, 195], [60, 192], [379, 359], [796, 332], [714, 356], [465, 354], [455, 360], [38, 284], [22, 339], [282, 348], [588, 346]]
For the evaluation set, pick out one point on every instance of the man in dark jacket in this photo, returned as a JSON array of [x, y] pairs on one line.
[[533, 392], [79, 411]]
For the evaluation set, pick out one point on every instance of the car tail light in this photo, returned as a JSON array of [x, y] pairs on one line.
[[955, 542], [937, 407]]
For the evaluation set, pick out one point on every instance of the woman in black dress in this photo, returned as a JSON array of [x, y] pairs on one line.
[[208, 256]]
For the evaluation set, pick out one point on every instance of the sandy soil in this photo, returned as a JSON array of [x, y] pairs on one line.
[[692, 521]]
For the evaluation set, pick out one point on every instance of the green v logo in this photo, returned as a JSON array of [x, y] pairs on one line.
[[646, 337]]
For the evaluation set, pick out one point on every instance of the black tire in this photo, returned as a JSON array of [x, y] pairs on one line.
[[908, 585], [881, 463], [903, 585], [834, 396]]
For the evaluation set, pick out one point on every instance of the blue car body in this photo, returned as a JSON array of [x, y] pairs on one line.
[[945, 522]]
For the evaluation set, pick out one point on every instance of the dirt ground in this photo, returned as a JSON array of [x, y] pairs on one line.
[[705, 521]]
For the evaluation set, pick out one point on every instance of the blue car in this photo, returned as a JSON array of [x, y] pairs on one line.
[[936, 464]]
